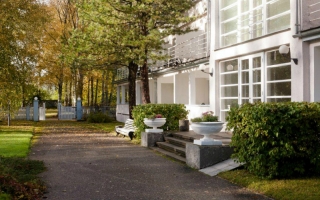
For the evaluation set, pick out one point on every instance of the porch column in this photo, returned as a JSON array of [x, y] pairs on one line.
[[192, 87], [118, 94], [123, 94], [175, 88]]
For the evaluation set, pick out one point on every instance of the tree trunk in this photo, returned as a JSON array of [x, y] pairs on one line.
[[80, 77], [103, 89], [145, 83], [70, 93], [133, 69], [96, 93], [88, 93], [91, 91]]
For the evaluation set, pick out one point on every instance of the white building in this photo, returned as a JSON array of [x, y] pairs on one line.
[[242, 53]]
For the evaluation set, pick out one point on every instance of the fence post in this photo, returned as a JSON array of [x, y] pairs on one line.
[[36, 109], [79, 109]]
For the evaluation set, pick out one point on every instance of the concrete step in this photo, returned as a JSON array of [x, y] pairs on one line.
[[176, 141], [169, 154], [186, 137], [180, 151]]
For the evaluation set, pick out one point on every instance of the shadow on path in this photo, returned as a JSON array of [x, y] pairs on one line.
[[83, 163]]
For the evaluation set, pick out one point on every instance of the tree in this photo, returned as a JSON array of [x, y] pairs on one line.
[[127, 33], [21, 29]]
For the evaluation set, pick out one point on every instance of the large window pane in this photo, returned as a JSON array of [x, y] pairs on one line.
[[245, 91], [229, 13], [245, 5], [257, 76], [228, 102], [279, 73], [279, 23], [245, 77], [229, 66], [227, 79], [279, 89], [229, 26], [256, 3], [277, 7], [257, 90], [225, 3], [274, 58], [230, 91], [229, 39]]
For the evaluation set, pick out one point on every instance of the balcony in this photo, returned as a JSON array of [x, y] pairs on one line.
[[182, 54]]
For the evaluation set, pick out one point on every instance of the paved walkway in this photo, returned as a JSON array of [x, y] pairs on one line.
[[86, 164]]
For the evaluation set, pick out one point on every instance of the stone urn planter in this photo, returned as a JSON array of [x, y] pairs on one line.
[[154, 123], [207, 129]]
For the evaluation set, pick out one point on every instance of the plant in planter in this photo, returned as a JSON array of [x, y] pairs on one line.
[[207, 125], [154, 121]]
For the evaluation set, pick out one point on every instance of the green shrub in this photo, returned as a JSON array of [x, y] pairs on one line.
[[277, 140], [172, 112], [98, 117]]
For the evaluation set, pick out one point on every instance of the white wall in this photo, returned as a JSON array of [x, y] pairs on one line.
[[181, 90], [202, 92], [167, 93]]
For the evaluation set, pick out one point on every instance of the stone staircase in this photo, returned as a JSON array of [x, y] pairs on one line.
[[174, 146]]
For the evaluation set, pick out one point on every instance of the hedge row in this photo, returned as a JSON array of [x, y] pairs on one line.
[[172, 112], [277, 140]]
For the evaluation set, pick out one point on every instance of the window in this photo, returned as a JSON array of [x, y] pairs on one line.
[[250, 79], [242, 20], [278, 77]]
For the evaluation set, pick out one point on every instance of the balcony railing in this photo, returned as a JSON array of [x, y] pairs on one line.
[[188, 51]]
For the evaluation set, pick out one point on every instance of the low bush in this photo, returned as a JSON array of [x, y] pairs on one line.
[[277, 140], [172, 112], [98, 117]]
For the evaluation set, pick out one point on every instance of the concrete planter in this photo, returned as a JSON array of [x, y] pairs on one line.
[[207, 129], [154, 123]]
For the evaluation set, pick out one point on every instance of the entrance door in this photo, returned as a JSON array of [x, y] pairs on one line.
[[241, 81], [250, 79]]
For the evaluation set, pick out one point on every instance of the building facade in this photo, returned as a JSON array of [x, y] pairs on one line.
[[243, 38]]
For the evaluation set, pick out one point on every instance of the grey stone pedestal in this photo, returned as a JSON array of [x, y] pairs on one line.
[[199, 157], [149, 139]]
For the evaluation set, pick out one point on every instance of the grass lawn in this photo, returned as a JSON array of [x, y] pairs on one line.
[[286, 189], [15, 143], [18, 175]]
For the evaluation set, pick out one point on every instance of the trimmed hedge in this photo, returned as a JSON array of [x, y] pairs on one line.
[[277, 140], [172, 112]]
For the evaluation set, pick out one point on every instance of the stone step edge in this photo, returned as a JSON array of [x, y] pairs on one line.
[[176, 141], [182, 137], [169, 154], [172, 148]]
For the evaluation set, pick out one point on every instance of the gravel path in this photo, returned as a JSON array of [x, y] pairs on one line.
[[84, 164]]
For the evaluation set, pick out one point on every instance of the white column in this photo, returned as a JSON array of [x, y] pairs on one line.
[[118, 94], [123, 94]]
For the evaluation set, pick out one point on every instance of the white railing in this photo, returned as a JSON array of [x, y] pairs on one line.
[[188, 51]]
